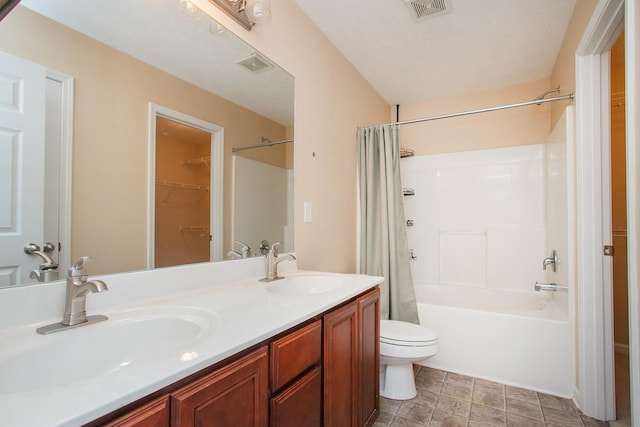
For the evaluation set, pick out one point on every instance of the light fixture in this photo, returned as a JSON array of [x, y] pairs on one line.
[[237, 9]]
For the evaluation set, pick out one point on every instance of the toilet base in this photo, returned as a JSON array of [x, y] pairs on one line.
[[398, 382]]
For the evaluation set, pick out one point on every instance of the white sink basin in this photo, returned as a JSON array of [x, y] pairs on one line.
[[87, 352], [308, 284]]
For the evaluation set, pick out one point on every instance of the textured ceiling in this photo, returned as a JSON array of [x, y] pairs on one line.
[[478, 45], [191, 47]]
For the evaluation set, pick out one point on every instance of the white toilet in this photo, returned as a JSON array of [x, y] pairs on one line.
[[401, 345]]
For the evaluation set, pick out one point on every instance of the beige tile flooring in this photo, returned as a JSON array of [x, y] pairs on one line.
[[452, 400]]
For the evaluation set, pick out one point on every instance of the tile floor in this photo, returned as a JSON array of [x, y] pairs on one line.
[[452, 400]]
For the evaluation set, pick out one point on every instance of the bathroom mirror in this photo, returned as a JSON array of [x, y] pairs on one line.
[[110, 61]]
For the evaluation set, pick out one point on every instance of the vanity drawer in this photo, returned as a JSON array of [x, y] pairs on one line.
[[295, 353], [300, 404]]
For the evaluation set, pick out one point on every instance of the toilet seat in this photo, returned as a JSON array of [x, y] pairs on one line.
[[406, 334]]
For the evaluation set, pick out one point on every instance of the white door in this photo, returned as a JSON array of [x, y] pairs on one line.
[[22, 130]]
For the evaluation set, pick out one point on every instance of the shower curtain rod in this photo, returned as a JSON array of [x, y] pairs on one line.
[[484, 110], [267, 144]]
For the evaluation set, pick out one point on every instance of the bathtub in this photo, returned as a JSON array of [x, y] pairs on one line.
[[524, 339]]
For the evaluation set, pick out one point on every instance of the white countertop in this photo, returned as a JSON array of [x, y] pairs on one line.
[[239, 315]]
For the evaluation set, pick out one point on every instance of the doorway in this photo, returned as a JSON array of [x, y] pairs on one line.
[[596, 395], [185, 189], [619, 233]]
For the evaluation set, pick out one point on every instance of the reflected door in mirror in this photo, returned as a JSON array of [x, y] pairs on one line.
[[183, 177], [22, 146]]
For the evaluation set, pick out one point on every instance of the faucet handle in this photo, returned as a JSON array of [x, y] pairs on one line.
[[264, 247], [274, 249], [552, 260], [244, 245], [246, 250], [77, 269]]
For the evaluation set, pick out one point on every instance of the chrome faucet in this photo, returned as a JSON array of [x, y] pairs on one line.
[[245, 251], [78, 287], [272, 261]]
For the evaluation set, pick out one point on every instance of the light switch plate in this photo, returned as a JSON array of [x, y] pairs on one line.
[[307, 211]]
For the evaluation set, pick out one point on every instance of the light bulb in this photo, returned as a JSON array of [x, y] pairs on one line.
[[217, 29], [258, 9], [189, 9]]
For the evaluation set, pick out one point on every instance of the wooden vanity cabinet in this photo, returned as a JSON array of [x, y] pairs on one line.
[[234, 395], [151, 414], [369, 358], [325, 373], [351, 363]]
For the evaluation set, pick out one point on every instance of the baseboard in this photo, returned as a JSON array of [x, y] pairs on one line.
[[577, 398]]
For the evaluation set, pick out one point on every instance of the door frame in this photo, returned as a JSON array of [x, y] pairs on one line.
[[216, 187], [596, 382], [66, 83]]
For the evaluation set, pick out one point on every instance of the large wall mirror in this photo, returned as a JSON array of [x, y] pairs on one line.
[[127, 130]]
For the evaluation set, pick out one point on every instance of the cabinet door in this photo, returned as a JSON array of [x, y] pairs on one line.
[[234, 395], [341, 367], [299, 405], [152, 414], [369, 319]]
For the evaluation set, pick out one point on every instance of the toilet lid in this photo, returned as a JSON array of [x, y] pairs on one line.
[[397, 331]]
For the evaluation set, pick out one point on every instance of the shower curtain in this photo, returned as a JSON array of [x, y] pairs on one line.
[[384, 250]]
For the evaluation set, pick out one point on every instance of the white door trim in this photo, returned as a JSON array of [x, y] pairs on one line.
[[66, 162], [632, 57], [217, 169], [596, 394]]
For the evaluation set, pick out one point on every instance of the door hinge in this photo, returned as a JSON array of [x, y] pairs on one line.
[[608, 250]]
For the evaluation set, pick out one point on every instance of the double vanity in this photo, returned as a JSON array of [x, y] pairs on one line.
[[207, 340]]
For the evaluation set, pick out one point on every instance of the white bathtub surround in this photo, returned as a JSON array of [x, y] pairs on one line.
[[484, 222], [480, 217], [509, 337], [382, 246], [238, 311]]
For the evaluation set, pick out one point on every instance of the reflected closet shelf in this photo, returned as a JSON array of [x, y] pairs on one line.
[[200, 161], [182, 185]]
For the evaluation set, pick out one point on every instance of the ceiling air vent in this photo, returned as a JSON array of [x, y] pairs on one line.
[[255, 63], [421, 9]]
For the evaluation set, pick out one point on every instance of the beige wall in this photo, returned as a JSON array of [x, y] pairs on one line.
[[517, 126], [112, 95], [564, 70], [332, 100]]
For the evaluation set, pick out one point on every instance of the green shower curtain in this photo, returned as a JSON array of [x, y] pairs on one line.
[[384, 250]]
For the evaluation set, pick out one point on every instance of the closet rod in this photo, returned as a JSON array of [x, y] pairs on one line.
[[267, 144], [484, 110]]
